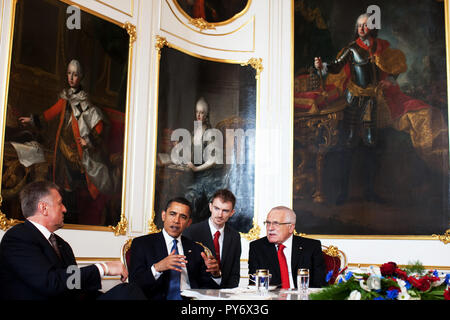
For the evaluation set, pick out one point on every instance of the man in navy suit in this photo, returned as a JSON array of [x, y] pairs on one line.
[[162, 264], [36, 264], [221, 239], [280, 245]]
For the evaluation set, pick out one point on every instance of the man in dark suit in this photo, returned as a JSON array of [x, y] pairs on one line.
[[283, 253], [162, 264], [223, 241], [36, 264]]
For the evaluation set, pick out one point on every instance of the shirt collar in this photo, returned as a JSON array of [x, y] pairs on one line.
[[169, 239], [288, 242], [42, 229], [213, 228]]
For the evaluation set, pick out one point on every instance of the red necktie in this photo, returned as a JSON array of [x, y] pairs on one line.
[[283, 267], [217, 246]]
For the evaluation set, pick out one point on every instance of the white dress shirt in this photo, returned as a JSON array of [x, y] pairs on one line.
[[184, 280]]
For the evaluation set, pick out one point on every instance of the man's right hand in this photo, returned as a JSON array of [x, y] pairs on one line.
[[25, 121], [171, 262], [116, 268]]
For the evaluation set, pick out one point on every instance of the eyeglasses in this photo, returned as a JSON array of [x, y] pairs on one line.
[[275, 224]]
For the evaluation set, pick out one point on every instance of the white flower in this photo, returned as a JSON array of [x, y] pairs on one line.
[[438, 282], [403, 295], [375, 271], [402, 285], [363, 285], [374, 282], [354, 295]]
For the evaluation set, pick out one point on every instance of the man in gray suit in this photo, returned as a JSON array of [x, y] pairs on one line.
[[222, 240]]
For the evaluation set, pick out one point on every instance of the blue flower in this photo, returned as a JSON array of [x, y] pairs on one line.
[[447, 279], [329, 275], [392, 294], [407, 285], [348, 275], [379, 298], [436, 274]]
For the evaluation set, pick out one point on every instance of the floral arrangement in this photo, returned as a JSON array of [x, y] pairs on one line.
[[387, 282]]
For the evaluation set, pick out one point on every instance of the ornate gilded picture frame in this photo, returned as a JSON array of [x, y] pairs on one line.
[[65, 111], [208, 14], [371, 128], [200, 154]]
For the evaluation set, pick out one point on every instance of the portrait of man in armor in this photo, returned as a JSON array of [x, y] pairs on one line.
[[371, 142]]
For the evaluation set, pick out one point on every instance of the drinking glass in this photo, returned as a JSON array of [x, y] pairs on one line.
[[303, 280]]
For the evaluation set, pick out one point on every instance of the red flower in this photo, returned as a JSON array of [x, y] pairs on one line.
[[401, 274], [388, 269], [422, 284], [447, 294]]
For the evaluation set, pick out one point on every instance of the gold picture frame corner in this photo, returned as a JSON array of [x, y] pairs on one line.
[[255, 63], [152, 228], [6, 223], [131, 30], [121, 228], [253, 233], [445, 238]]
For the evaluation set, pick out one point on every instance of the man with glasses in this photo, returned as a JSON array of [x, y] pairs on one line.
[[283, 253]]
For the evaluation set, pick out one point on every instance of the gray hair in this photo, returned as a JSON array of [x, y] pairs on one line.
[[32, 193], [290, 214]]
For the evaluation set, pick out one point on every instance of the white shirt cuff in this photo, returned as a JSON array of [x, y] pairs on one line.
[[155, 273], [100, 269]]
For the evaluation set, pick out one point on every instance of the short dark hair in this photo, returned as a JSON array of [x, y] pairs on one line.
[[32, 193], [225, 195], [181, 200]]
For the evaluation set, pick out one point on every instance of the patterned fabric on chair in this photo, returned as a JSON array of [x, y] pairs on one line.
[[335, 262], [125, 252]]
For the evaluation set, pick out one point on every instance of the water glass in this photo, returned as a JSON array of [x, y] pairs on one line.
[[303, 280]]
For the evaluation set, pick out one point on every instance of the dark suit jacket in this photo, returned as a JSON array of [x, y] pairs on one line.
[[31, 270], [306, 253], [231, 251], [147, 250]]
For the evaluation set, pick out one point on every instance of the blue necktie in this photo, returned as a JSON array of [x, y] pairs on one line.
[[174, 283]]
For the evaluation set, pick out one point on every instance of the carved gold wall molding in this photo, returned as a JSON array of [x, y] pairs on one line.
[[253, 233], [256, 63], [202, 24], [6, 223], [131, 30], [121, 228], [152, 228], [445, 238]]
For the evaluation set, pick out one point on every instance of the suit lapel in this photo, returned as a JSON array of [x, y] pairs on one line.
[[44, 243], [296, 255], [226, 245], [271, 256], [206, 235], [187, 248]]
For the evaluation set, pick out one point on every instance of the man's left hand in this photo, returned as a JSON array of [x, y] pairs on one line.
[[212, 265]]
